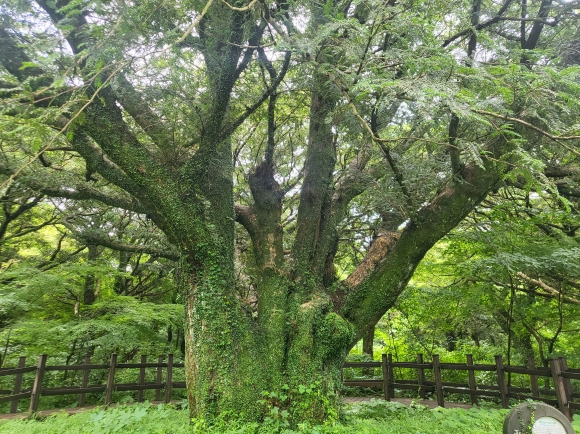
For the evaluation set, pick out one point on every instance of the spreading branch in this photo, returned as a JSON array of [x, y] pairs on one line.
[[227, 131], [555, 138], [90, 236], [495, 19], [549, 291], [139, 110]]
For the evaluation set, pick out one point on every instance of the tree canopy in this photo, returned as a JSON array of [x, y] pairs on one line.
[[297, 159]]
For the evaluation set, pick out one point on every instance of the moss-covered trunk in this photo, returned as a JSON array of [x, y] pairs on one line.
[[222, 364], [238, 367]]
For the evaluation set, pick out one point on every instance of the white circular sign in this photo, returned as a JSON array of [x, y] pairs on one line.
[[548, 425]]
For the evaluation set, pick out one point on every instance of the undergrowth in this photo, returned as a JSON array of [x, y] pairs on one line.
[[376, 416]]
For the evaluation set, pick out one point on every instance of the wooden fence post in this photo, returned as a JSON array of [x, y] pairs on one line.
[[17, 384], [85, 381], [503, 390], [140, 392], [111, 379], [559, 387], [168, 378], [158, 379], [566, 381], [391, 375], [533, 378], [471, 379], [386, 379], [438, 381], [37, 387], [421, 376]]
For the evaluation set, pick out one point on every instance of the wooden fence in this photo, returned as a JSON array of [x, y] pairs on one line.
[[428, 380], [38, 389], [561, 394]]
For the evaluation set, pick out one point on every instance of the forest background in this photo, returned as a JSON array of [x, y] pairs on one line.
[[287, 180]]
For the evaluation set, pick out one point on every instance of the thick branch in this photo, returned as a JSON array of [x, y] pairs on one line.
[[372, 295], [97, 161], [99, 238], [561, 172], [377, 252], [538, 26], [83, 191], [555, 138], [314, 210], [139, 110], [247, 218], [13, 57], [551, 292], [77, 191], [253, 43], [453, 148]]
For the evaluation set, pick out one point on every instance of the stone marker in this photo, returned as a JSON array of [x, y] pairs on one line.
[[536, 418]]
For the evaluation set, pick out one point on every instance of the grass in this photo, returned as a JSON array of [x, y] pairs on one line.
[[371, 417]]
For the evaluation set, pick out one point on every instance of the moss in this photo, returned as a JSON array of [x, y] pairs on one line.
[[333, 337]]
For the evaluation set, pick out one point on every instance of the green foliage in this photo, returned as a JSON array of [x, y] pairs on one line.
[[143, 418], [301, 405], [275, 405], [370, 417], [170, 112], [106, 422], [44, 283], [419, 419], [576, 422], [118, 324], [459, 299]]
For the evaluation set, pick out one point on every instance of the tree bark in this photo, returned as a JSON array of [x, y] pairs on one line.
[[367, 348]]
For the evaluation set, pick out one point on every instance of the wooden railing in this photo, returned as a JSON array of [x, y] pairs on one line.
[[38, 389], [428, 380], [561, 395]]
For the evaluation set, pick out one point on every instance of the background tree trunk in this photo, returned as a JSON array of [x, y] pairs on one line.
[[91, 282], [367, 348]]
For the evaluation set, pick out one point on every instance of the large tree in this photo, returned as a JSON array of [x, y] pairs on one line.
[[318, 127]]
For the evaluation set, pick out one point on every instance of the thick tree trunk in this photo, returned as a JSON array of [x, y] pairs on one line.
[[224, 366], [223, 372], [232, 360]]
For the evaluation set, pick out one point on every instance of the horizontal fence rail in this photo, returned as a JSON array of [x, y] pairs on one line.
[[38, 389], [560, 395], [427, 379]]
